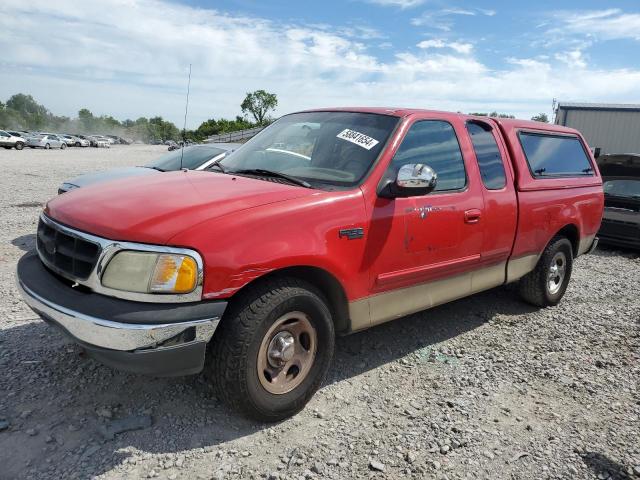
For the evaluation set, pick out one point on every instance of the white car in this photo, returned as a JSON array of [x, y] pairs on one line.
[[73, 141], [99, 141], [46, 141], [7, 140]]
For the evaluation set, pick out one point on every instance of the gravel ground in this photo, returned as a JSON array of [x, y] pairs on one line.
[[485, 387]]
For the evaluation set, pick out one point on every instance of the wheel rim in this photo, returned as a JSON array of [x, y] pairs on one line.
[[287, 353], [557, 272]]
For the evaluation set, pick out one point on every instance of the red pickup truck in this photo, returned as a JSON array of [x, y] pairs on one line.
[[327, 222]]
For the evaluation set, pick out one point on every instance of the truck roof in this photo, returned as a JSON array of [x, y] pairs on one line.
[[506, 123]]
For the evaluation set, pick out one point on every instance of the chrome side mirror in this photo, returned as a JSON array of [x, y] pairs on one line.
[[412, 180], [416, 177]]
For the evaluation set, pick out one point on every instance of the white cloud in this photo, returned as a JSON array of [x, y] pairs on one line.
[[572, 58], [459, 47], [439, 19], [607, 24], [397, 3], [133, 61]]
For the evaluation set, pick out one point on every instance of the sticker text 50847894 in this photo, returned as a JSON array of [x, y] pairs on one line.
[[358, 138]]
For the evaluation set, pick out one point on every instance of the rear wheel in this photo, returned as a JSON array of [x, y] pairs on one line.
[[47, 146], [546, 284], [63, 146], [77, 144], [273, 349], [19, 146]]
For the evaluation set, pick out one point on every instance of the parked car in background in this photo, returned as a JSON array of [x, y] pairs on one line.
[[621, 220], [118, 140], [46, 141], [326, 223], [18, 134], [9, 140], [197, 157], [68, 139], [99, 141]]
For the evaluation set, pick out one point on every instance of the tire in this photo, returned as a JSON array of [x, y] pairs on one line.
[[77, 144], [260, 322], [19, 146], [546, 284], [47, 146], [63, 146], [31, 146]]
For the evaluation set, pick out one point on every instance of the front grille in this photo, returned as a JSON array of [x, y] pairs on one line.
[[69, 255]]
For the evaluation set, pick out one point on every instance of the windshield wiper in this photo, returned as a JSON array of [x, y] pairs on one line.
[[156, 168], [271, 173], [218, 164]]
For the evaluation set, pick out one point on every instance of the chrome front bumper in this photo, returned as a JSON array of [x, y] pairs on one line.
[[151, 338], [113, 335]]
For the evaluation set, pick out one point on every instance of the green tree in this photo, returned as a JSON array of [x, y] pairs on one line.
[[86, 119], [259, 104], [493, 114], [541, 117]]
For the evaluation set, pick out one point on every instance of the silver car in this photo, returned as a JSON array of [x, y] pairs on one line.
[[46, 141]]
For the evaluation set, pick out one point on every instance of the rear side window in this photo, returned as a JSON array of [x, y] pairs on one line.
[[434, 143], [555, 155], [488, 155]]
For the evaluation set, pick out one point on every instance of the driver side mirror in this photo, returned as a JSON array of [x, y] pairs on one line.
[[412, 180]]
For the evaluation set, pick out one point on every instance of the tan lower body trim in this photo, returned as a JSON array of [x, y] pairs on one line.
[[387, 306], [585, 244], [519, 267]]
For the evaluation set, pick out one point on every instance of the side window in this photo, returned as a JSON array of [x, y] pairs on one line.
[[488, 155], [434, 143], [555, 155]]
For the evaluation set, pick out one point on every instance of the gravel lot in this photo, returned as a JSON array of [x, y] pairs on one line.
[[485, 387]]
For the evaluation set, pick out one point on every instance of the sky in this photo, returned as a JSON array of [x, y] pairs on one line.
[[130, 58]]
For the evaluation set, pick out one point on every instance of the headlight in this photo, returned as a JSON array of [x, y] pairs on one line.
[[147, 272]]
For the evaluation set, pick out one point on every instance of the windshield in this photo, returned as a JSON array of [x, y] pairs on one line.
[[193, 158], [334, 148], [623, 187]]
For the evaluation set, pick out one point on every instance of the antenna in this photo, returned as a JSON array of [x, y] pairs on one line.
[[184, 127]]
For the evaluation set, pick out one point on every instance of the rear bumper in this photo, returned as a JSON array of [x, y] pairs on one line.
[[152, 338]]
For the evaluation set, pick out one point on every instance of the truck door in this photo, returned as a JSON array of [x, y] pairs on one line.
[[498, 190], [428, 245]]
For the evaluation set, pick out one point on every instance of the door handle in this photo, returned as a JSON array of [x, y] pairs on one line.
[[472, 216]]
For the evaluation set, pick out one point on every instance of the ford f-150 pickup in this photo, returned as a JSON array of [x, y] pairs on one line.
[[327, 222]]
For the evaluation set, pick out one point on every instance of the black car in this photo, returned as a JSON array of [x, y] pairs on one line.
[[621, 183], [196, 157]]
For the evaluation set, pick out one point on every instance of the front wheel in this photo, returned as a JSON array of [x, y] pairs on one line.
[[546, 284], [63, 146], [19, 146], [272, 349], [47, 146]]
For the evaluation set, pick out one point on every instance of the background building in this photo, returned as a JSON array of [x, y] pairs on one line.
[[613, 128]]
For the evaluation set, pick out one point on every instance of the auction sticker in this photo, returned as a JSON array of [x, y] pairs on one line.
[[358, 138]]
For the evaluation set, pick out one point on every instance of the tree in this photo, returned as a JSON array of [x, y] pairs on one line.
[[258, 104], [86, 119], [541, 117], [493, 114]]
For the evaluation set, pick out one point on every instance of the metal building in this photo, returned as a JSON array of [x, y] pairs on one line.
[[613, 128]]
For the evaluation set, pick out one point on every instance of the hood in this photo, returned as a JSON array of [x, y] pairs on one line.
[[116, 173], [619, 165], [155, 208]]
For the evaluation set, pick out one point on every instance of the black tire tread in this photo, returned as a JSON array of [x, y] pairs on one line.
[[531, 286], [229, 346]]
